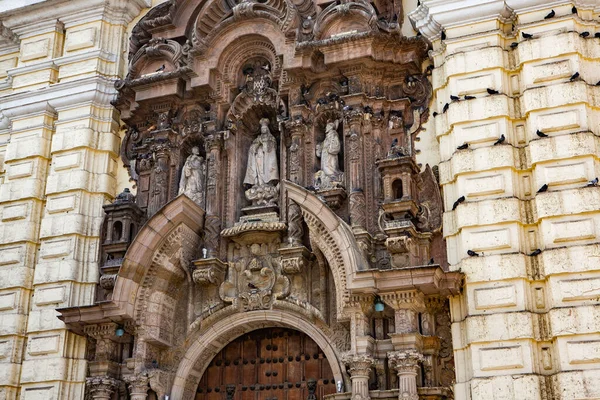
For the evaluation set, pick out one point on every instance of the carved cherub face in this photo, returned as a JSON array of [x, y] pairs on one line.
[[255, 249], [195, 150]]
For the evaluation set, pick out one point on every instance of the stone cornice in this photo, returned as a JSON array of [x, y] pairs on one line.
[[432, 16], [28, 18], [97, 89], [8, 39]]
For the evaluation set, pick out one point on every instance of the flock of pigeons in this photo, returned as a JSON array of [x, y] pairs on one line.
[[502, 138]]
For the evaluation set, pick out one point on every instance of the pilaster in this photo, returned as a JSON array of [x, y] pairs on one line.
[[494, 158]]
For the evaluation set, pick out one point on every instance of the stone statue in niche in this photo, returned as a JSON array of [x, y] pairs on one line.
[[262, 173], [192, 183], [330, 175]]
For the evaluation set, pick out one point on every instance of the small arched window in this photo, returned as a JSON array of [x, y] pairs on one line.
[[117, 231], [397, 189]]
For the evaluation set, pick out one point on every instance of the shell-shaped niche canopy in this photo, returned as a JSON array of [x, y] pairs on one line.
[[338, 20]]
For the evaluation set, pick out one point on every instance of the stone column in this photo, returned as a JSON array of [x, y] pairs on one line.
[[101, 387], [296, 129], [359, 367], [212, 225], [355, 176], [406, 364], [138, 387]]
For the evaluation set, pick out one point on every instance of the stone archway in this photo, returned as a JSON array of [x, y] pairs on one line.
[[217, 336], [268, 364]]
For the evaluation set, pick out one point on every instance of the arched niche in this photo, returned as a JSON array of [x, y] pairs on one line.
[[214, 17], [214, 338], [338, 19]]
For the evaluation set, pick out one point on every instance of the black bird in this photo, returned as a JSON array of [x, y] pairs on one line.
[[463, 146], [457, 202], [454, 98], [574, 10], [551, 14], [584, 34], [435, 114], [395, 142], [536, 252], [593, 182], [526, 35], [311, 188], [543, 189], [492, 91], [514, 45], [471, 253], [500, 140], [443, 35], [161, 69], [597, 35], [467, 97], [431, 261], [446, 106], [540, 133], [574, 76]]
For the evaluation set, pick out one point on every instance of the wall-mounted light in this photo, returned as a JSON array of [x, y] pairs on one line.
[[119, 331], [379, 305]]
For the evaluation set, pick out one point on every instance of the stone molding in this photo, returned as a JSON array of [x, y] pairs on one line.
[[432, 16]]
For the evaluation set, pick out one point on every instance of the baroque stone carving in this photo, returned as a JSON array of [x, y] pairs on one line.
[[295, 229], [101, 387], [329, 176], [192, 177], [262, 172], [254, 281]]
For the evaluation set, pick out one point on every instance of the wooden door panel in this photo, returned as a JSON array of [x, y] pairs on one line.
[[267, 364]]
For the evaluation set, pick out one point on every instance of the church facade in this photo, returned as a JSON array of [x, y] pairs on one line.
[[299, 199]]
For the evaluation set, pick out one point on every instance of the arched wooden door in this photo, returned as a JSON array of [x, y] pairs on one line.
[[268, 364]]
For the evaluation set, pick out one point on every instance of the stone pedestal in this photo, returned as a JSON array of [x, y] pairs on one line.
[[209, 271], [101, 387], [359, 367], [294, 259], [334, 197], [406, 364]]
